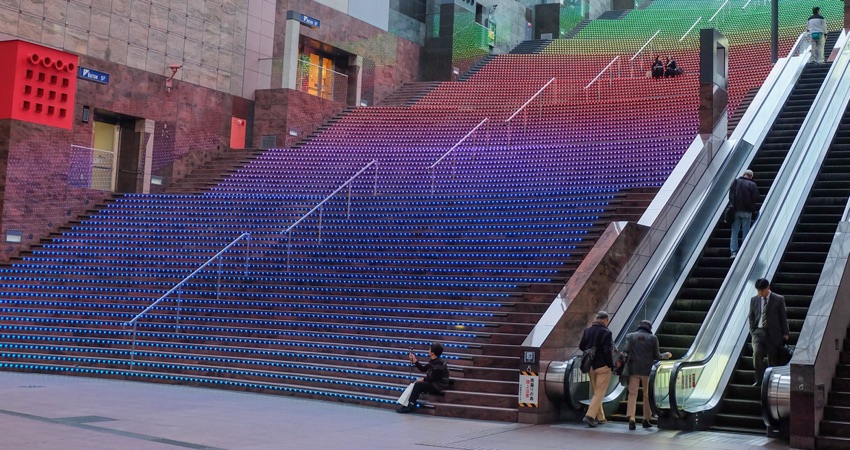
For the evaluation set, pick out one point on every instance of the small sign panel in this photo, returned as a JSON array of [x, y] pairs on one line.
[[93, 75], [307, 20], [528, 390]]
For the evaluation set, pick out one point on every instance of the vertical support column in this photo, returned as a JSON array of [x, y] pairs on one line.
[[291, 38], [713, 86], [774, 31], [355, 80], [846, 15], [145, 128]]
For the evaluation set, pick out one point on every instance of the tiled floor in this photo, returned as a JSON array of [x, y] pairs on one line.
[[41, 412]]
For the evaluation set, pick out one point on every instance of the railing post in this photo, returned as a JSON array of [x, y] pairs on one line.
[[433, 178], [179, 309], [375, 192], [218, 280], [487, 145], [348, 205], [524, 121], [321, 213], [247, 255], [540, 108], [288, 248], [133, 348]]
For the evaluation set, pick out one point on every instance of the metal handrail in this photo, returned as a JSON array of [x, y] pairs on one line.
[[288, 231], [134, 320], [606, 68], [689, 29], [718, 10], [530, 99], [432, 166], [635, 55]]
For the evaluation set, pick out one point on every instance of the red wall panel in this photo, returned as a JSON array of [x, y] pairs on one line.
[[40, 84]]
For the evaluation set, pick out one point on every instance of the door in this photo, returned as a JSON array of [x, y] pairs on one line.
[[105, 153]]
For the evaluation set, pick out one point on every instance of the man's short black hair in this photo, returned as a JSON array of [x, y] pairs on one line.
[[816, 10], [437, 348], [762, 283]]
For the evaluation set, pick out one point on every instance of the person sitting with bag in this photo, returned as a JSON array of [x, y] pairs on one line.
[[642, 350], [435, 381]]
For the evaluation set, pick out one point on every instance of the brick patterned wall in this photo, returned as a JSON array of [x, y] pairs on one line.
[[37, 197], [280, 110]]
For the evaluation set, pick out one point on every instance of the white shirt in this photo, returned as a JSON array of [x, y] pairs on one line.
[[817, 24]]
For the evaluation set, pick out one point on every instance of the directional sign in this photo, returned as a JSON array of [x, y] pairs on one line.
[[305, 20], [309, 21], [93, 75]]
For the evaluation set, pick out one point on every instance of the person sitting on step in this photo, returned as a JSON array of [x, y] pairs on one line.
[[435, 381]]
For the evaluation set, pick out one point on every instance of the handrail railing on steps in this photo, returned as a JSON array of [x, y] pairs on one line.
[[178, 288], [522, 109], [432, 167], [318, 207]]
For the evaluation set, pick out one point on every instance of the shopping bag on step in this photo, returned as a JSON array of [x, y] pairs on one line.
[[405, 396]]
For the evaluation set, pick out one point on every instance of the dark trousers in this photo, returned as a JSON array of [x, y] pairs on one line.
[[421, 387], [763, 349]]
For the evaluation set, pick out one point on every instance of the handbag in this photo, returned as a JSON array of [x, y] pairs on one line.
[[817, 35], [404, 399], [621, 365], [587, 359], [729, 214], [786, 352]]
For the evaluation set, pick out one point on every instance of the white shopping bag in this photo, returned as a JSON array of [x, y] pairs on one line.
[[405, 396]]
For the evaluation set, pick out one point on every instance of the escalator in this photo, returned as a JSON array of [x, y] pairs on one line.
[[685, 317], [677, 331], [796, 276]]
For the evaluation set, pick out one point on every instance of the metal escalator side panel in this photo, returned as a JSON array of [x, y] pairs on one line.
[[723, 335]]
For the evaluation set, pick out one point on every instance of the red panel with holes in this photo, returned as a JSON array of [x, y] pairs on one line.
[[39, 84]]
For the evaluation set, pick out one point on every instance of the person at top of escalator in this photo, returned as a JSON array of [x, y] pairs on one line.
[[744, 196], [816, 27]]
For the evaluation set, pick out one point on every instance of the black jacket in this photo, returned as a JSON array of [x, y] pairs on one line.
[[642, 347], [598, 335], [744, 195], [438, 373]]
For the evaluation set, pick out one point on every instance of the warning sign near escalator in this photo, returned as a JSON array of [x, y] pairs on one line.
[[528, 389]]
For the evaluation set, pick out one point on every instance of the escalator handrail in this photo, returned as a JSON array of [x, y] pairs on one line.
[[751, 130], [792, 185], [731, 166], [763, 109]]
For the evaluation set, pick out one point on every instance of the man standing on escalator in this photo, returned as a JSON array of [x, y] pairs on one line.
[[768, 327], [744, 196]]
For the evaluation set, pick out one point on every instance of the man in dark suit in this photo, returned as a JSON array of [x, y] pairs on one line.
[[768, 327]]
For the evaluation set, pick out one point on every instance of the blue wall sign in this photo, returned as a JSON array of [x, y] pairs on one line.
[[305, 20], [93, 75], [309, 21]]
